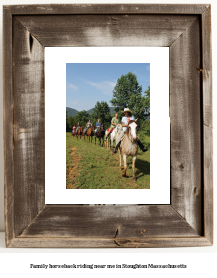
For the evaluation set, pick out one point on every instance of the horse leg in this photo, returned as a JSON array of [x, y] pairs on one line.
[[125, 165], [119, 151], [133, 166]]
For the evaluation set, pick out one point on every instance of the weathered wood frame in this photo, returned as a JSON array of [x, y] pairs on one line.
[[188, 220]]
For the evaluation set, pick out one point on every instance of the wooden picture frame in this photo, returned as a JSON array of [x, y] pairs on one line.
[[186, 30]]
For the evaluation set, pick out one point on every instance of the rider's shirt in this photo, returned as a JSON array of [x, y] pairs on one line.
[[125, 120], [98, 124], [115, 121]]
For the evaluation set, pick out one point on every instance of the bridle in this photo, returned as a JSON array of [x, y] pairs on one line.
[[129, 133]]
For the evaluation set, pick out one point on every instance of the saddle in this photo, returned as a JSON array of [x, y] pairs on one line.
[[111, 130]]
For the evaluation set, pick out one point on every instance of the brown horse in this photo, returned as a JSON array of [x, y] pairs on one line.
[[89, 133], [100, 134], [73, 133], [80, 132]]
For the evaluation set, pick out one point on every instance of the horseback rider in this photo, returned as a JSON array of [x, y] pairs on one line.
[[114, 123], [125, 120], [98, 124], [77, 128], [88, 125], [73, 129]]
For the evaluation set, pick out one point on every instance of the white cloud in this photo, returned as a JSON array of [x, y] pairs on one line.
[[106, 87], [71, 86], [148, 67]]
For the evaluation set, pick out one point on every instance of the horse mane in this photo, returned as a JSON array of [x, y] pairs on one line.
[[130, 122]]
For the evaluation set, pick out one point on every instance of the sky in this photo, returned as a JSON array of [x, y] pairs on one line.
[[88, 83]]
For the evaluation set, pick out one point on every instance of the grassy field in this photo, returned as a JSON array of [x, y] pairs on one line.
[[91, 166]]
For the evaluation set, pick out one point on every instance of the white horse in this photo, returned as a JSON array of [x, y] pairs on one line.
[[112, 135], [129, 147]]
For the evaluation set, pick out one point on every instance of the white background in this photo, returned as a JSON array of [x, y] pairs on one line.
[[201, 261], [55, 99]]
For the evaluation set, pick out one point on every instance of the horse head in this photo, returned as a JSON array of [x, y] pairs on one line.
[[132, 129], [118, 127]]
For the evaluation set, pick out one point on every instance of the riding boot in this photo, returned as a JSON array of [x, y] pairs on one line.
[[141, 145], [106, 137], [116, 147]]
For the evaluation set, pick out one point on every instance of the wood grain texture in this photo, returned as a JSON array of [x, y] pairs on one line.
[[185, 113], [207, 122], [107, 9], [29, 130], [29, 223], [160, 242], [207, 67], [109, 221], [208, 183], [107, 30], [8, 126]]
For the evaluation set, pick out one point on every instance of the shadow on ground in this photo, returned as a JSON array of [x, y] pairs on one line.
[[143, 168]]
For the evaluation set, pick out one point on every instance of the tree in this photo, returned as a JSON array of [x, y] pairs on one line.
[[142, 106], [67, 121], [82, 117], [102, 111], [128, 94], [71, 122], [125, 93]]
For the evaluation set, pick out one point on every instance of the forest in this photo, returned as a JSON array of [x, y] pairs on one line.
[[127, 93]]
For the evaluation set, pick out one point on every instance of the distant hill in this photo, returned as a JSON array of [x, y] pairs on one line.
[[90, 111], [112, 111], [73, 112]]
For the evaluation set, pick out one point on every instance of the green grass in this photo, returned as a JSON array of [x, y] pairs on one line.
[[98, 168], [69, 160]]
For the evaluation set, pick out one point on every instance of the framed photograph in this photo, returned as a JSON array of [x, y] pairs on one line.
[[53, 56], [90, 85]]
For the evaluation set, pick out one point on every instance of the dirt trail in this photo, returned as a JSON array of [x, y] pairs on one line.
[[73, 172]]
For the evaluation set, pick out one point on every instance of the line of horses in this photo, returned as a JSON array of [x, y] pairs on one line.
[[128, 146], [90, 133]]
